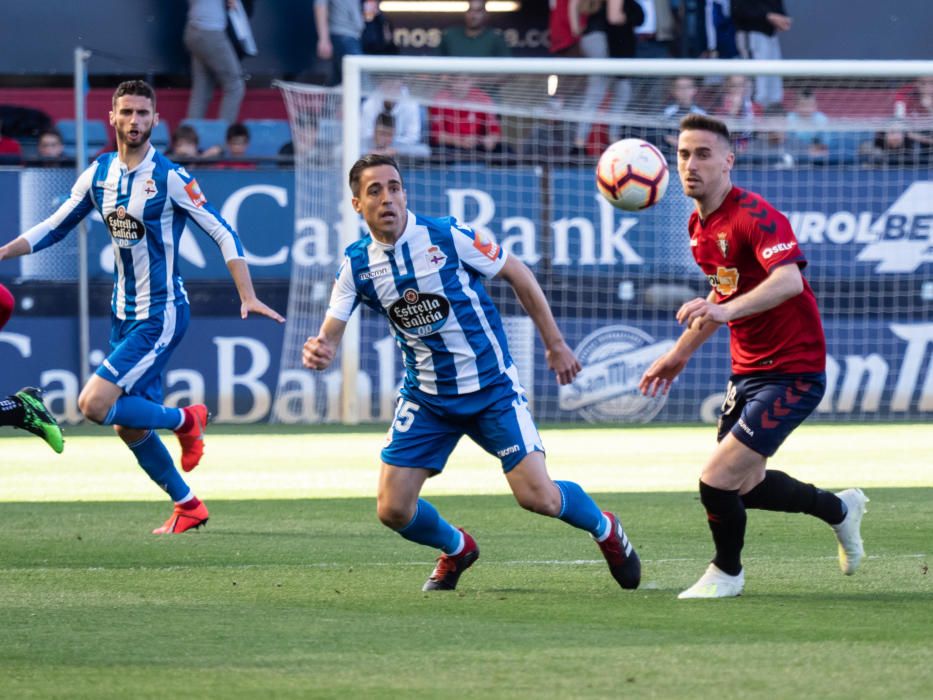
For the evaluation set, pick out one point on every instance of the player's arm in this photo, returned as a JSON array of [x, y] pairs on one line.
[[57, 226], [783, 282], [185, 192], [249, 302], [662, 372], [560, 357], [318, 352]]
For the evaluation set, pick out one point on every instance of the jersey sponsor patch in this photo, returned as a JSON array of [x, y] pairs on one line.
[[419, 314], [778, 248], [194, 194], [488, 248], [725, 281], [125, 230]]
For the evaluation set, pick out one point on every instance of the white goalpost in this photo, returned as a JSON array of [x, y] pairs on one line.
[[509, 147]]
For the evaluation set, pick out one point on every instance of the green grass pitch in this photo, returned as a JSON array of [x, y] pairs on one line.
[[295, 590]]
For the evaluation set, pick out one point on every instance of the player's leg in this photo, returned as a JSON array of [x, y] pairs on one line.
[[25, 409], [151, 454], [505, 428], [118, 392], [420, 437], [772, 412]]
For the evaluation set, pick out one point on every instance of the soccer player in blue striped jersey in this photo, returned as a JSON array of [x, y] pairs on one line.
[[425, 276], [145, 200]]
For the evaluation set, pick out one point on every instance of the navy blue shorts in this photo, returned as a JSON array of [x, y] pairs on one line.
[[761, 410], [427, 428]]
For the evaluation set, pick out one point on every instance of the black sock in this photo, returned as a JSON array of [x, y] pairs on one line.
[[11, 411], [726, 515], [782, 492]]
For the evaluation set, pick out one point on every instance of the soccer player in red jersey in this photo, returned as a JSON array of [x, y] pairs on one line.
[[753, 261]]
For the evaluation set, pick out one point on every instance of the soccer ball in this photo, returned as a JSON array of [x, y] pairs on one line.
[[632, 174]]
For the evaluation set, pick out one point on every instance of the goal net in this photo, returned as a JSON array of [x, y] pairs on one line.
[[844, 149]]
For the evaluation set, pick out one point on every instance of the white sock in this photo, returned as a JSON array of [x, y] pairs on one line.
[[607, 529]]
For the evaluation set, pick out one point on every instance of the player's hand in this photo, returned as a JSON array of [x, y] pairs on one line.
[[318, 353], [562, 361], [696, 313], [661, 374], [257, 307]]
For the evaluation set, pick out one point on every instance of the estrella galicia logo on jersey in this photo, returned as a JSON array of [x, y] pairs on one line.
[[419, 314], [195, 194], [435, 256], [725, 281], [606, 390], [125, 230]]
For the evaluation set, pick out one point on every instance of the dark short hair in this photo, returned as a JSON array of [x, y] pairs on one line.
[[370, 160], [186, 132], [134, 87], [703, 122], [51, 132], [237, 129], [385, 119]]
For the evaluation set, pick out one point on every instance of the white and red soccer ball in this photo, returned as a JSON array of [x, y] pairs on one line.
[[632, 174]]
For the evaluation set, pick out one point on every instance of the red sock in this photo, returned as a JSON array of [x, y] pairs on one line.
[[190, 505], [188, 422]]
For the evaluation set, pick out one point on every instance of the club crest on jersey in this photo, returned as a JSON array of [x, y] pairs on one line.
[[488, 248], [150, 189], [125, 230], [722, 243], [725, 281], [435, 256], [419, 314], [194, 194]]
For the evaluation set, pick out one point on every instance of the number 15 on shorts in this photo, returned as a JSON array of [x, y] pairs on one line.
[[404, 417]]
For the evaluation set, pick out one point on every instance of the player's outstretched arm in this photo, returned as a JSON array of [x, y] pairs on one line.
[[559, 356], [318, 352], [249, 302], [663, 371], [15, 248]]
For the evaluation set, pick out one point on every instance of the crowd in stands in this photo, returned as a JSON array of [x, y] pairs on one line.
[[460, 120]]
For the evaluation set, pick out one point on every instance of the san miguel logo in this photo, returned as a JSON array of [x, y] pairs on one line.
[[722, 243], [606, 391], [419, 314], [725, 281], [125, 230]]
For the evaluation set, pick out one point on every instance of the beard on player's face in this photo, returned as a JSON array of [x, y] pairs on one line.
[[136, 140]]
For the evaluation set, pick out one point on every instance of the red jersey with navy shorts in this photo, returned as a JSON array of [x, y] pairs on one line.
[[737, 247]]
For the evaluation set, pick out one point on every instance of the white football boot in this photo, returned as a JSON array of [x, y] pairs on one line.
[[848, 532], [716, 583]]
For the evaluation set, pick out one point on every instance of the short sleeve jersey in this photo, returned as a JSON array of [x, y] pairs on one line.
[[429, 287], [737, 247]]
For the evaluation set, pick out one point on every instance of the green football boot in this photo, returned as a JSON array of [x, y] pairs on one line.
[[37, 419]]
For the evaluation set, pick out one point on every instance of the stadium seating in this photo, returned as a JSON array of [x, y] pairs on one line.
[[211, 132], [267, 136], [161, 136], [96, 133]]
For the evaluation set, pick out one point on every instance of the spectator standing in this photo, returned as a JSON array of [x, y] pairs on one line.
[[339, 33], [474, 38], [757, 24], [720, 29], [609, 32], [213, 60], [656, 33]]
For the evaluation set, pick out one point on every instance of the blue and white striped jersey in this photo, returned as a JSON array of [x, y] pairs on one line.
[[145, 209], [428, 285]]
